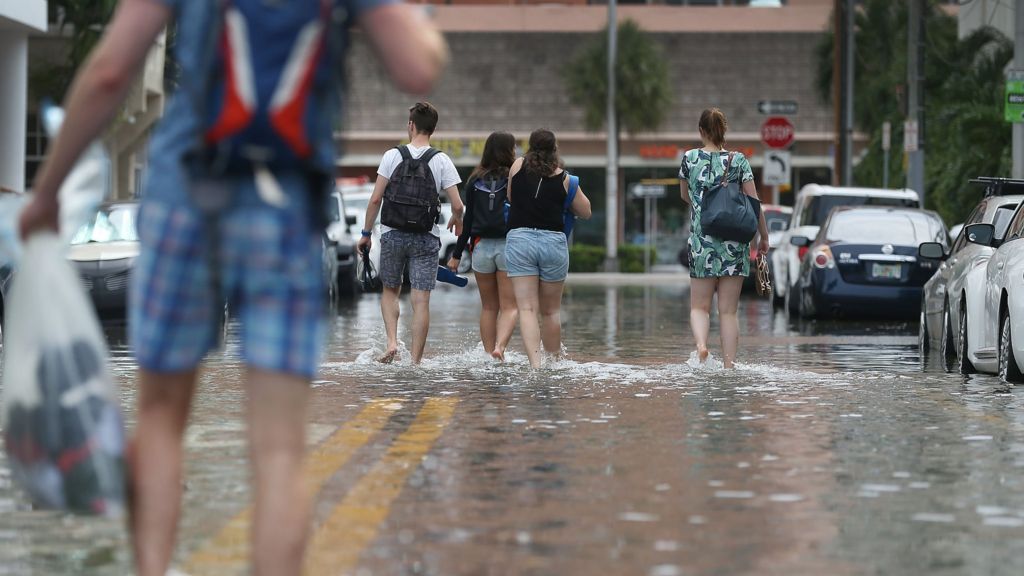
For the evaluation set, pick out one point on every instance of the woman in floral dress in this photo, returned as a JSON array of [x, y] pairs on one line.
[[716, 265]]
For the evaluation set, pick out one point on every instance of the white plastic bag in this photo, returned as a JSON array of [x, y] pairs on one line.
[[80, 194], [62, 423]]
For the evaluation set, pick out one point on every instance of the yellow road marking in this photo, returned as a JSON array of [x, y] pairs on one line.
[[230, 547], [354, 523]]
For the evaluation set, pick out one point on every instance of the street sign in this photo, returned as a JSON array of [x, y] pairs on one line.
[[910, 136], [777, 168], [777, 107], [648, 190], [777, 132], [886, 136], [1014, 109]]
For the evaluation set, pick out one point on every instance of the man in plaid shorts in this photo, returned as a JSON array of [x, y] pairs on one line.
[[267, 263], [403, 249]]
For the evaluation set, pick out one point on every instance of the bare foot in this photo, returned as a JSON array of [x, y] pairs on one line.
[[702, 355], [498, 354], [388, 357]]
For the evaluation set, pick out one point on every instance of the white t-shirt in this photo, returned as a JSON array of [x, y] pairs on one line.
[[441, 166]]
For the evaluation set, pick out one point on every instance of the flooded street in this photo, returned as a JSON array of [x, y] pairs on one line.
[[833, 449]]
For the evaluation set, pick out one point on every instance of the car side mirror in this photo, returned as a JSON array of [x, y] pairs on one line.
[[981, 234], [800, 241], [351, 220], [932, 251]]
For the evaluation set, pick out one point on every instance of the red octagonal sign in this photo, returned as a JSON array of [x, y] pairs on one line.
[[777, 132]]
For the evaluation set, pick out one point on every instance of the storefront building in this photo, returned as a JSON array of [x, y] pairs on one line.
[[18, 19], [507, 72]]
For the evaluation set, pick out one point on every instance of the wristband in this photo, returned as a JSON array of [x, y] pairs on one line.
[[366, 233]]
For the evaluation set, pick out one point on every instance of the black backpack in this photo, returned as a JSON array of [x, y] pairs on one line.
[[489, 207], [411, 202]]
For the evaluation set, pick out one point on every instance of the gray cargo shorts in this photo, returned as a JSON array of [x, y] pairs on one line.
[[418, 249]]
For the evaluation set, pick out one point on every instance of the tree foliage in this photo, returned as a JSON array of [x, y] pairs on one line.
[[83, 21], [642, 92], [965, 135]]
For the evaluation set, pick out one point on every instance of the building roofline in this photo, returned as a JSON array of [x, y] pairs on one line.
[[29, 15], [562, 18]]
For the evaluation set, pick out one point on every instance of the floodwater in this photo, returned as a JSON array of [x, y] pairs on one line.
[[833, 449]]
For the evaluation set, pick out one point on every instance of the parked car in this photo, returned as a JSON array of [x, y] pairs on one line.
[[958, 288], [813, 205], [103, 252], [329, 268], [342, 236], [864, 263], [1002, 323]]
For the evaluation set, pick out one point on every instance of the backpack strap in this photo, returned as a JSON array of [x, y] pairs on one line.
[[574, 184], [404, 151], [429, 155]]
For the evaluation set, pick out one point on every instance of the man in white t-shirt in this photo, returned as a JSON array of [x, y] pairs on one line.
[[404, 249]]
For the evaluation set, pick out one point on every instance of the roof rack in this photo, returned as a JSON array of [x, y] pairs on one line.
[[999, 186]]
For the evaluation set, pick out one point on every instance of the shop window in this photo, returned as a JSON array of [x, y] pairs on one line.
[[35, 147]]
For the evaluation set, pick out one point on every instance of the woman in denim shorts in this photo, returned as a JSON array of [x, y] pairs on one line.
[[485, 194], [536, 250]]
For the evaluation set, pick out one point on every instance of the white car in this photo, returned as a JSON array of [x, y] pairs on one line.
[[953, 300], [813, 205], [1002, 323]]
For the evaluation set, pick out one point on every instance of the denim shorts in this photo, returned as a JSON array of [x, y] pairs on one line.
[[532, 252], [269, 264], [418, 250], [489, 256]]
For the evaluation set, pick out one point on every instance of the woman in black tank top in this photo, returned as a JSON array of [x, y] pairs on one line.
[[536, 250]]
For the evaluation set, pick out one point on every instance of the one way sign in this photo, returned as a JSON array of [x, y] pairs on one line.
[[777, 168]]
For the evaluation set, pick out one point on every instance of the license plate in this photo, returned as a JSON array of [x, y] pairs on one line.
[[885, 271]]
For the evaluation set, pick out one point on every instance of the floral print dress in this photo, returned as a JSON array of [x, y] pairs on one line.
[[712, 257]]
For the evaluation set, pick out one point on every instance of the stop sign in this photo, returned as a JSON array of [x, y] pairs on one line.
[[777, 132]]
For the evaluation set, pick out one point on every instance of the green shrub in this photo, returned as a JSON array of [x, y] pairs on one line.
[[631, 258], [586, 258]]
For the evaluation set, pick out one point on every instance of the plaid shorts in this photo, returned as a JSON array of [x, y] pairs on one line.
[[269, 264], [418, 250]]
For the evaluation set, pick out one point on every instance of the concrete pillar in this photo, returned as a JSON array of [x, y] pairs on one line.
[[13, 102]]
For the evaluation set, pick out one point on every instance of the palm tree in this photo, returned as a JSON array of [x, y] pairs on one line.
[[642, 92]]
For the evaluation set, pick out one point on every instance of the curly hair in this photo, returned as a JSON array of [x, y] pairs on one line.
[[542, 158]]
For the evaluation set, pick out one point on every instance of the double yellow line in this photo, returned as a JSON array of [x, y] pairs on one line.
[[354, 523]]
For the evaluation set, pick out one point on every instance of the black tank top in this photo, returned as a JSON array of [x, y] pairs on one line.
[[537, 202]]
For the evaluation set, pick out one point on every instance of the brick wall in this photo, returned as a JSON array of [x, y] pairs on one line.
[[513, 81]]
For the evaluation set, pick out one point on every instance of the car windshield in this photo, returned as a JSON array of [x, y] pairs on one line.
[[115, 224], [903, 228], [818, 208], [333, 214]]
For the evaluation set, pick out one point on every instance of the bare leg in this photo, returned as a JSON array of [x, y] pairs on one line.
[[508, 316], [550, 311], [389, 309], [488, 286], [526, 289], [729, 289], [164, 401], [702, 290], [277, 442], [420, 323]]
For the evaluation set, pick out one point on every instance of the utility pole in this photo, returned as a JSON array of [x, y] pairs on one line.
[[837, 90], [915, 97], [1018, 64], [848, 77], [611, 243]]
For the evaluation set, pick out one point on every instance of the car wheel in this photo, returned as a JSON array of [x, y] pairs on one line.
[[777, 301], [923, 343], [964, 365], [946, 348], [1008, 369]]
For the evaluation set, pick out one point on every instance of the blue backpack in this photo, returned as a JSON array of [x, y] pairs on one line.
[[568, 218], [268, 84]]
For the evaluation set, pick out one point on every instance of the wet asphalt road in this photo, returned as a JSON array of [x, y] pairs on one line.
[[833, 449]]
